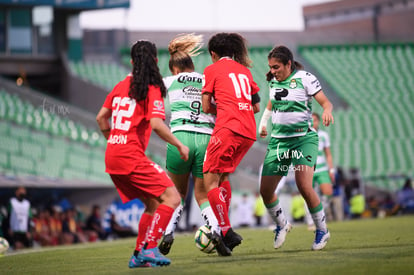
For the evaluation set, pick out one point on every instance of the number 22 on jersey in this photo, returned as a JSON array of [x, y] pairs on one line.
[[122, 110]]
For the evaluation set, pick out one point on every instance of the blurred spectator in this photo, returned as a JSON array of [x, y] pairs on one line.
[[121, 231], [259, 209], [337, 200], [405, 198], [298, 207], [388, 206], [373, 207], [245, 211], [42, 234], [94, 223], [3, 221], [71, 231], [19, 233], [357, 204], [55, 224]]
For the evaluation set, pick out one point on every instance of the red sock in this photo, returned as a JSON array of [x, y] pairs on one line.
[[218, 204], [143, 226], [159, 222], [225, 189]]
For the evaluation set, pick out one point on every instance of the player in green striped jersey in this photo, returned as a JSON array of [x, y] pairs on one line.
[[293, 140], [191, 126]]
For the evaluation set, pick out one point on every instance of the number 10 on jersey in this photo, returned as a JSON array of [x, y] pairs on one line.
[[242, 87]]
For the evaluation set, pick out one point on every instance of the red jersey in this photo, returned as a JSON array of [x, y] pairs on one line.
[[232, 87], [131, 129]]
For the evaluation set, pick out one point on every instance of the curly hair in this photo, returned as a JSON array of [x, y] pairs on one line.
[[232, 45], [182, 48], [283, 55], [145, 70]]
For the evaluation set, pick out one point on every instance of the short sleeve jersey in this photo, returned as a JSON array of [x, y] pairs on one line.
[[231, 85], [131, 129], [324, 142], [292, 104], [184, 94]]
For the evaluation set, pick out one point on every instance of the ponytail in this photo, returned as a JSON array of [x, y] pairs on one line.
[[145, 70]]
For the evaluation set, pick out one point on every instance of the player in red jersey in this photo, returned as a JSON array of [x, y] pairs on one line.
[[135, 107], [229, 81]]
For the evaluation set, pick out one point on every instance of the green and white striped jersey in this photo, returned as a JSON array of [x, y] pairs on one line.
[[292, 104], [324, 142], [184, 94]]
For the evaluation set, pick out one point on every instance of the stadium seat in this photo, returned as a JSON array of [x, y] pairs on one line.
[[379, 119]]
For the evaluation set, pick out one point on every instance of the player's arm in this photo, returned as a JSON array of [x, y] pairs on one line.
[[208, 108], [162, 130], [327, 117], [256, 102], [329, 161], [267, 113], [102, 118]]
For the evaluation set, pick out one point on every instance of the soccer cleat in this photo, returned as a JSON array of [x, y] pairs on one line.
[[218, 242], [232, 239], [166, 243], [321, 239], [280, 234], [138, 262], [153, 256]]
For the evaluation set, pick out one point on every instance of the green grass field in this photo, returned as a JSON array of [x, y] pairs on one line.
[[371, 246]]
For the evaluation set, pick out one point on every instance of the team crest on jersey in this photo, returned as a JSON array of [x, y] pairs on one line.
[[293, 84], [158, 105]]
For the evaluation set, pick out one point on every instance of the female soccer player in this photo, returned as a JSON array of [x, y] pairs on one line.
[[293, 141], [136, 106], [230, 83], [191, 126]]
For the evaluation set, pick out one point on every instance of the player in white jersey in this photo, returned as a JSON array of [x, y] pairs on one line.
[[191, 126], [19, 220], [293, 141]]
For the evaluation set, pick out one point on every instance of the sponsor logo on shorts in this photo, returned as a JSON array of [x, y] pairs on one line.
[[287, 168], [289, 154]]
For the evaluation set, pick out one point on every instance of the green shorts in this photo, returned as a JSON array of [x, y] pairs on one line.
[[321, 177], [197, 143], [282, 152]]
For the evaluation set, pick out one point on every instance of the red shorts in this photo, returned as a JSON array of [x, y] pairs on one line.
[[147, 180], [225, 151]]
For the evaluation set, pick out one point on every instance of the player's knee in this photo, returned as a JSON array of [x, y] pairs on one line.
[[171, 197]]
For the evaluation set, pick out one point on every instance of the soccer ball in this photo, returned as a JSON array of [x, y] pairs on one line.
[[4, 245], [202, 240]]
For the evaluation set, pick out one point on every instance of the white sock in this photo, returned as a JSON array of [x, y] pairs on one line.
[[176, 216], [209, 217], [319, 219], [275, 211]]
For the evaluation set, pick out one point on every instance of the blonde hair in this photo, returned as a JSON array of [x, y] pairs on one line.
[[182, 48]]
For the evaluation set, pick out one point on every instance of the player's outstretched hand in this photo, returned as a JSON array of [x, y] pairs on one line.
[[184, 151], [263, 132], [327, 118]]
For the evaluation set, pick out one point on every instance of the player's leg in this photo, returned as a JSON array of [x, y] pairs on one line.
[[207, 213], [326, 190], [181, 183], [200, 192], [225, 188], [304, 171], [274, 168], [268, 186], [178, 170], [169, 200]]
